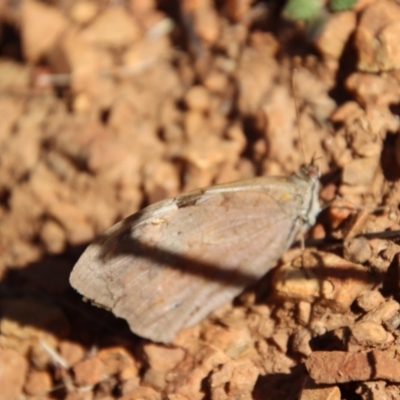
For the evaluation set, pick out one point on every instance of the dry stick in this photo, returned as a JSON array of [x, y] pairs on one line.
[[53, 354]]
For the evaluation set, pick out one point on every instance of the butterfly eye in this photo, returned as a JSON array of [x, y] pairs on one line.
[[313, 172], [310, 171]]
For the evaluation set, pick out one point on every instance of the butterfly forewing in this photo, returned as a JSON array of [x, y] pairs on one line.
[[170, 265]]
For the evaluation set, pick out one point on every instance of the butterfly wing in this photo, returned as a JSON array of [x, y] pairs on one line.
[[169, 266]]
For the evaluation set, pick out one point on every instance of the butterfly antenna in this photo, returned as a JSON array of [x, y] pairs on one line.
[[296, 107]]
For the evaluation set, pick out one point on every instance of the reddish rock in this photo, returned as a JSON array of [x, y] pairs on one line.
[[376, 37], [331, 367], [78, 229], [357, 250], [280, 339], [244, 377], [204, 18], [155, 379], [53, 236], [335, 33], [301, 342], [130, 385], [320, 392], [38, 383], [216, 81], [368, 333], [85, 62], [383, 313], [118, 361], [71, 352], [13, 368], [114, 28], [326, 276], [386, 368], [161, 180], [369, 300], [83, 12], [13, 76], [363, 335], [89, 372], [86, 395], [42, 26], [189, 379], [163, 358], [304, 312], [197, 98], [373, 89], [256, 71], [145, 53], [360, 171], [221, 375], [141, 392]]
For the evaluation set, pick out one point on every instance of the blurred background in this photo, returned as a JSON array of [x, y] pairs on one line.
[[108, 106]]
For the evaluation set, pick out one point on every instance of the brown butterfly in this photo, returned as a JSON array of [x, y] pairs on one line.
[[168, 266]]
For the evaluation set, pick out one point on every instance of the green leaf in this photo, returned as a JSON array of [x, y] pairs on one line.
[[341, 5], [302, 9]]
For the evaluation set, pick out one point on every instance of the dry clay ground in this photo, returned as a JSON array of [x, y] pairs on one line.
[[108, 107]]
